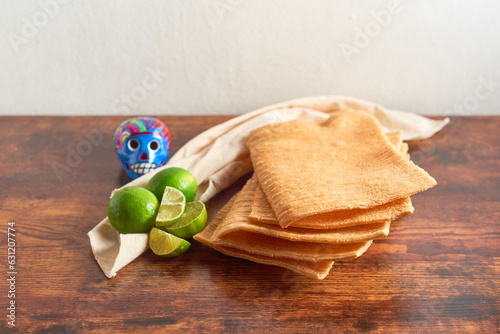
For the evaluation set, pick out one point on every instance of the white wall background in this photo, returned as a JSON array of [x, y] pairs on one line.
[[232, 56]]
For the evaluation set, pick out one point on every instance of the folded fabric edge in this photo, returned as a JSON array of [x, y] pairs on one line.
[[113, 250]]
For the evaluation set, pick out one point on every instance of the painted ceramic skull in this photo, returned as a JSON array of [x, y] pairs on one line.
[[142, 144]]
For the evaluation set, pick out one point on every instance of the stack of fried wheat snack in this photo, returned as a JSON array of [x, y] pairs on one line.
[[319, 193]]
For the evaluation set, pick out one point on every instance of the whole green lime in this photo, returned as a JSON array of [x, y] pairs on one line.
[[174, 177], [133, 210]]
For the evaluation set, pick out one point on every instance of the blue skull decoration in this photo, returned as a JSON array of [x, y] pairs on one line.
[[142, 144]]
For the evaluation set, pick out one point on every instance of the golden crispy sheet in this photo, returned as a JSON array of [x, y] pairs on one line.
[[318, 270], [347, 163]]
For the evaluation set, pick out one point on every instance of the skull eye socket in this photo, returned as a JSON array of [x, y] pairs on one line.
[[133, 144], [154, 145]]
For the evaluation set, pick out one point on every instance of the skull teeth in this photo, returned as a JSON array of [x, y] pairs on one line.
[[142, 167]]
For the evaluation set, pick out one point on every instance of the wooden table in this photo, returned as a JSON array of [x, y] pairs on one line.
[[438, 270]]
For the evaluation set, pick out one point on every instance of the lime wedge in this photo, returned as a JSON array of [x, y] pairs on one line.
[[165, 244], [171, 208], [193, 221]]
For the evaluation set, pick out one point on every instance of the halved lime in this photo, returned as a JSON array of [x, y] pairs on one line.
[[171, 208], [165, 244], [193, 221]]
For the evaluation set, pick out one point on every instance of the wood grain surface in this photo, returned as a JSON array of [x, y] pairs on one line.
[[438, 270]]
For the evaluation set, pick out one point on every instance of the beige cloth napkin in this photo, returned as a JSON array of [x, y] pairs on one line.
[[218, 157]]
